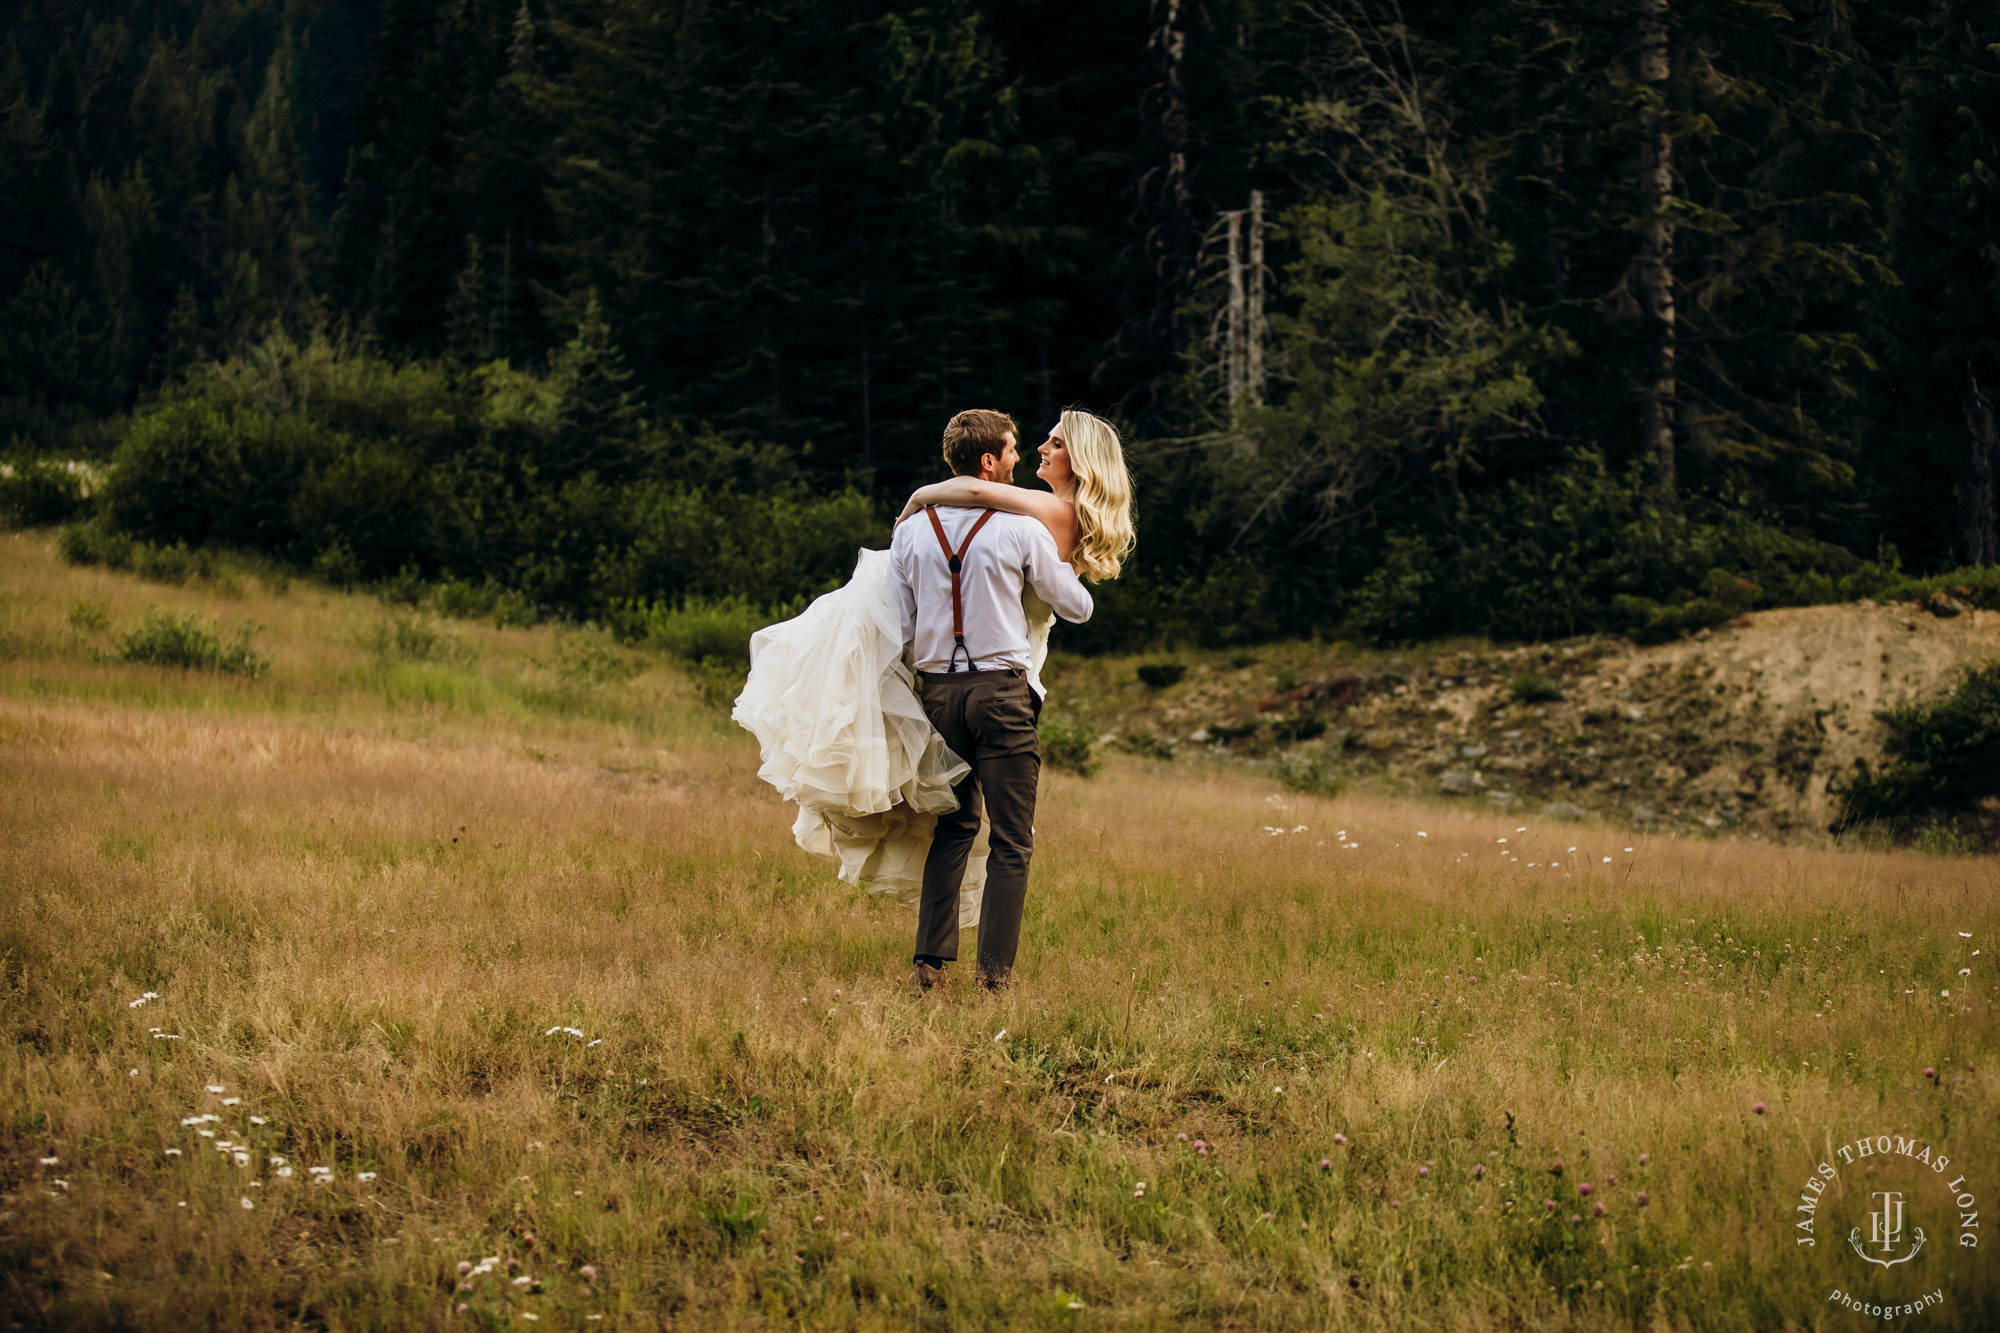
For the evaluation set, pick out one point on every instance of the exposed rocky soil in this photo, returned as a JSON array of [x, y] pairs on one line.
[[1737, 728]]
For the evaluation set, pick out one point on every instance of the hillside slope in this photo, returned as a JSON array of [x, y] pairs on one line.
[[1740, 727]]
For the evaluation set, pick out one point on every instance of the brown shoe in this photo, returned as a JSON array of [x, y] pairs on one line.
[[924, 978]]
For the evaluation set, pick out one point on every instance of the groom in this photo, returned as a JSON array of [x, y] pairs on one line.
[[959, 576]]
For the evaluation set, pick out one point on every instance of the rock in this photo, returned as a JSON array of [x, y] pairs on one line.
[[1643, 815], [1506, 800], [1199, 735], [1944, 605], [1460, 783], [1472, 751], [1562, 810]]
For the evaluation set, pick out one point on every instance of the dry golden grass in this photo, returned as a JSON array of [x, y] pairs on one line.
[[364, 890]]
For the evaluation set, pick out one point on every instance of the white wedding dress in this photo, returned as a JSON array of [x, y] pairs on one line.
[[842, 734]]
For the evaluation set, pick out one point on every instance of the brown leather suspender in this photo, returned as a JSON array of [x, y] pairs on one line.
[[953, 559]]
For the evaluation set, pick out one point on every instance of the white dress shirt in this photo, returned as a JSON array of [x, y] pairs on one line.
[[1011, 553]]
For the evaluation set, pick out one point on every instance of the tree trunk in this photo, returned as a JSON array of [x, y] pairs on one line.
[[1232, 327], [1253, 321], [1982, 540], [1656, 252]]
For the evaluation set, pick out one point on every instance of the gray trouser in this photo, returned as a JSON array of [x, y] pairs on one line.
[[988, 720]]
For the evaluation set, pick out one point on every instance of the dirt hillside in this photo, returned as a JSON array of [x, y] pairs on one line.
[[1738, 727]]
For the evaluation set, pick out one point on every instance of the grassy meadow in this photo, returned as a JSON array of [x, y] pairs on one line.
[[437, 945]]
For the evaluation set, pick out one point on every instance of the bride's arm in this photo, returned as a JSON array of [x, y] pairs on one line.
[[969, 492]]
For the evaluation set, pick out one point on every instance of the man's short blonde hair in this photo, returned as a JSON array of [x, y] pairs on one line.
[[974, 433]]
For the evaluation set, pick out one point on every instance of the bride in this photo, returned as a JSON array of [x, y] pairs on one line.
[[831, 698]]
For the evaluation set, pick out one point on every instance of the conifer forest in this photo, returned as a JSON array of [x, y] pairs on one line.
[[1526, 318]]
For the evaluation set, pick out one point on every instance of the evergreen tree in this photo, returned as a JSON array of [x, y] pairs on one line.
[[599, 426]]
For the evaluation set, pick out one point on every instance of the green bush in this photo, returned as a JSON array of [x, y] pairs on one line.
[[593, 657], [485, 484], [696, 629], [95, 542], [1529, 688], [1974, 586], [35, 492], [1162, 675], [1301, 727], [1310, 770], [1068, 747], [89, 616], [1723, 598], [184, 641], [1942, 756], [418, 639]]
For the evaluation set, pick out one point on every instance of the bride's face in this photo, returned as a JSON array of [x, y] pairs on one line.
[[1055, 469]]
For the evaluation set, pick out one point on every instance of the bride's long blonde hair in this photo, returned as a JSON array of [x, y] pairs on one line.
[[1103, 495]]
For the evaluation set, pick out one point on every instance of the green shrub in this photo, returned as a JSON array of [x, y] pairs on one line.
[[1068, 747], [165, 639], [1942, 756], [594, 657], [1529, 688], [696, 629], [1303, 727], [39, 491], [1310, 770], [95, 543], [90, 617], [1723, 598], [418, 639], [1162, 675], [1147, 745], [1973, 585]]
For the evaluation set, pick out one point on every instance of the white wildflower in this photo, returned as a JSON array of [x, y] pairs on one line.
[[247, 1203], [50, 1161], [258, 1120], [283, 1173], [232, 1101], [364, 1176], [173, 1152], [216, 1087], [1001, 1033]]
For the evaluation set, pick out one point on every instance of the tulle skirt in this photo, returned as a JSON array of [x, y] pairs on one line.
[[843, 735]]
